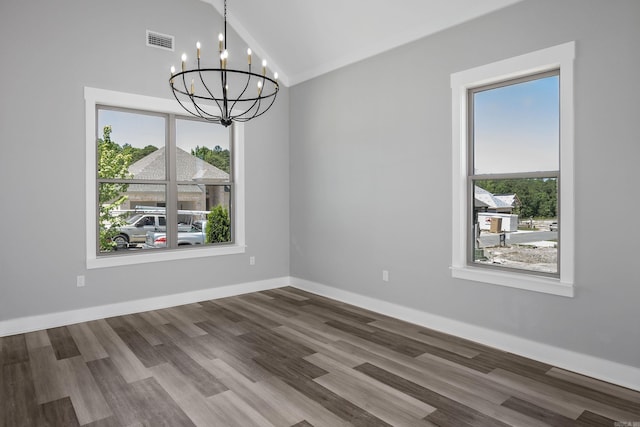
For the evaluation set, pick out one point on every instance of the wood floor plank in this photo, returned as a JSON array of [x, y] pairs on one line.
[[382, 401], [63, 343], [581, 380], [235, 412], [80, 385], [476, 401], [88, 345], [286, 294], [206, 383], [48, 384], [589, 419], [192, 402], [296, 406], [18, 395], [345, 358], [410, 332], [14, 350], [60, 413], [455, 412], [142, 401], [596, 407], [145, 352], [450, 377], [37, 339], [254, 394], [130, 367], [537, 412]]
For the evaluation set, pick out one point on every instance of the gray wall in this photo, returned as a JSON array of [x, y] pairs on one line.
[[371, 176], [50, 50]]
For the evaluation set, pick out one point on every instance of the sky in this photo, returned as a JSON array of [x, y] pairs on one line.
[[517, 127], [140, 130]]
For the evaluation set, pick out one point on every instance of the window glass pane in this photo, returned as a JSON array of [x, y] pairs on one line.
[[204, 213], [202, 152], [516, 223], [516, 128], [127, 212], [132, 139]]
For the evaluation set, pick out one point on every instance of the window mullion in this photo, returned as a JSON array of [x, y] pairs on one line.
[[172, 192]]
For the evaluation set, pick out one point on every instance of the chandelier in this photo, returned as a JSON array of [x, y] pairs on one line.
[[223, 95]]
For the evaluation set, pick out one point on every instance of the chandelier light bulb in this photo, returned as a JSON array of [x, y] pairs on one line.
[[249, 56], [198, 49], [184, 59], [275, 76], [220, 42], [264, 67]]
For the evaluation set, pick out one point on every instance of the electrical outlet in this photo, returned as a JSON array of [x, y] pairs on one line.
[[80, 281], [385, 275], [252, 260]]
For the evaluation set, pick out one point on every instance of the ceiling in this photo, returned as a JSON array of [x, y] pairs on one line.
[[302, 39]]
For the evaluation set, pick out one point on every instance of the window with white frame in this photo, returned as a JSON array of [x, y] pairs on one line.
[[513, 172], [160, 185]]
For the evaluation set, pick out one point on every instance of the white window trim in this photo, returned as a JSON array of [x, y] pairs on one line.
[[95, 97], [562, 57]]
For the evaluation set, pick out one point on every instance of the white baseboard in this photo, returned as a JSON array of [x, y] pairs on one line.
[[602, 369], [52, 320]]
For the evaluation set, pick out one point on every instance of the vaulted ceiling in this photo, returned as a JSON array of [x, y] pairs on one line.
[[302, 39]]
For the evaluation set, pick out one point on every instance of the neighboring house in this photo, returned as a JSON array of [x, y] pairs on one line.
[[207, 188], [485, 201]]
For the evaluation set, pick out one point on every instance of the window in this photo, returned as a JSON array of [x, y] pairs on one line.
[[160, 185], [513, 172]]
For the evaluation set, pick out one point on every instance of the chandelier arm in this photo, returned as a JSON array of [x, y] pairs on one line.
[[257, 113], [199, 111], [243, 90], [210, 117], [190, 95], [256, 101], [207, 87], [273, 99]]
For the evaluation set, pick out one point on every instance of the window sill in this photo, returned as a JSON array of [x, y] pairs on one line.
[[515, 280], [162, 255]]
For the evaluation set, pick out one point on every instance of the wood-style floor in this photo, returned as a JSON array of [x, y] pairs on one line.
[[285, 358]]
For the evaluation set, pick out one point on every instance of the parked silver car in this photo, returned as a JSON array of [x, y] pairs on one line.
[[135, 231], [194, 236]]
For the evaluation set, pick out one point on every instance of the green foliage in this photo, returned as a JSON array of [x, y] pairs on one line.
[[217, 157], [138, 153], [218, 225], [538, 196], [113, 163]]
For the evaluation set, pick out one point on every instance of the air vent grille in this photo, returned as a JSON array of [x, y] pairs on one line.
[[158, 40]]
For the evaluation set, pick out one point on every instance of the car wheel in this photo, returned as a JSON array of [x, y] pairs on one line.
[[122, 241]]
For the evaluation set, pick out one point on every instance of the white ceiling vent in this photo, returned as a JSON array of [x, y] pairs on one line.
[[162, 41]]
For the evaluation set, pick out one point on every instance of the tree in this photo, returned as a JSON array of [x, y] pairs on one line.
[[538, 196], [217, 157], [113, 163], [138, 153], [218, 228]]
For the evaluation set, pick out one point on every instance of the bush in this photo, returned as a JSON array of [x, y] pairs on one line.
[[218, 225]]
